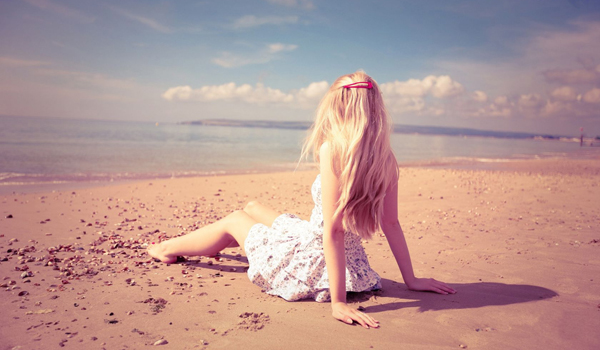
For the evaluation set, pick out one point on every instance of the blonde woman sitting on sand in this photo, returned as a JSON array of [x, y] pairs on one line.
[[355, 194]]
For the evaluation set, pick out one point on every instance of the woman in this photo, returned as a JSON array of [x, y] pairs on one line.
[[355, 195]]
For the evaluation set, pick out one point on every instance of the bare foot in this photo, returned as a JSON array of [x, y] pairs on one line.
[[159, 251]]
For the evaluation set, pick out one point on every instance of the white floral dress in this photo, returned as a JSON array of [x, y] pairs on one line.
[[287, 258]]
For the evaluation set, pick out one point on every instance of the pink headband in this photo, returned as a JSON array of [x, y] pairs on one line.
[[359, 85]]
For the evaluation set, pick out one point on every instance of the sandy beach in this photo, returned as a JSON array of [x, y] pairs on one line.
[[521, 245]]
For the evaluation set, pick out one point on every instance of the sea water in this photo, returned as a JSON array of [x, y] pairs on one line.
[[53, 150]]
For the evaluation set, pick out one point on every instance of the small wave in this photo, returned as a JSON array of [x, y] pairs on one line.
[[19, 179], [462, 162]]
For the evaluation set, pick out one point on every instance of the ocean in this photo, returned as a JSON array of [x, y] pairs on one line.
[[36, 151]]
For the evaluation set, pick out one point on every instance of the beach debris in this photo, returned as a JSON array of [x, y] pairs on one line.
[[252, 321], [23, 293], [486, 329], [112, 321], [462, 346], [9, 216], [156, 305], [40, 312], [161, 342]]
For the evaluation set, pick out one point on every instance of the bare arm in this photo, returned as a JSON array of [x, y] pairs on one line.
[[395, 237], [333, 245]]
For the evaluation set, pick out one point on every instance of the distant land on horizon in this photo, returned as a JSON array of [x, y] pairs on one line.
[[398, 128]]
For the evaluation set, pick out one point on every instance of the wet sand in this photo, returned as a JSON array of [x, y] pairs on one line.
[[521, 245]]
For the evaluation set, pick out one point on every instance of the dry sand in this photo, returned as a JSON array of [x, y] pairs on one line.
[[521, 246]]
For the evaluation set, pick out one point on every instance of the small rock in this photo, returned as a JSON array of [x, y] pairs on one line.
[[161, 342], [462, 346], [9, 216], [23, 293]]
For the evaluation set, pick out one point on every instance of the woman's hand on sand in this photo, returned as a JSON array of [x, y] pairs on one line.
[[430, 285], [349, 315]]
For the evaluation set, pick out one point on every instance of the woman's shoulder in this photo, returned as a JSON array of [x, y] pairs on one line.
[[325, 147]]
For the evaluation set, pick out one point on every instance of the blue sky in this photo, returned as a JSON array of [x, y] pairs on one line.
[[528, 65]]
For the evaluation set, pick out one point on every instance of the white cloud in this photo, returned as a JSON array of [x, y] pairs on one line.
[[479, 96], [149, 22], [278, 47], [431, 96], [265, 54], [410, 95], [405, 104], [259, 94], [312, 93], [441, 87], [530, 101], [564, 93], [592, 96], [497, 111], [555, 107], [408, 88], [446, 87], [501, 101], [250, 21]]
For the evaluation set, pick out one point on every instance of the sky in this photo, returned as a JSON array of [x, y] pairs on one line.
[[514, 65]]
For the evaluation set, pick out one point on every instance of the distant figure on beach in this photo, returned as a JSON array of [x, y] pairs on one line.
[[355, 195]]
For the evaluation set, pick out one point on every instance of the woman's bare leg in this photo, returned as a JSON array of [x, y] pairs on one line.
[[209, 240], [261, 213]]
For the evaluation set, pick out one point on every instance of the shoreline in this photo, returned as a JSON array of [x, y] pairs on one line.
[[520, 245], [81, 181]]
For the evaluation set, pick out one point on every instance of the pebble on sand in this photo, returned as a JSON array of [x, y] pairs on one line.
[[161, 342]]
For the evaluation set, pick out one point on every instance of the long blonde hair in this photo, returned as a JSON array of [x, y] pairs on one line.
[[355, 124]]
